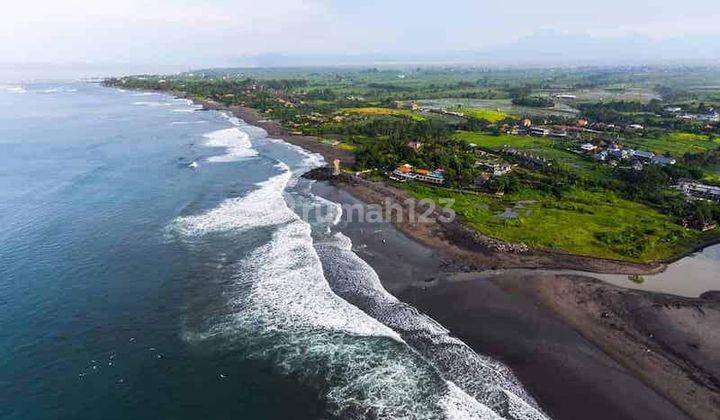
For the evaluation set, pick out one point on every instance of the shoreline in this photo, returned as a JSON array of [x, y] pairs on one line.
[[672, 385], [660, 371], [460, 243], [470, 251], [463, 247], [581, 347]]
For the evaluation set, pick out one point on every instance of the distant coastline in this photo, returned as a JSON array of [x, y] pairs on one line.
[[464, 248], [621, 323]]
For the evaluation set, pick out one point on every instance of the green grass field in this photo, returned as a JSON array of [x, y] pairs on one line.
[[376, 111], [484, 114], [498, 142], [677, 143], [712, 177], [540, 146], [575, 224]]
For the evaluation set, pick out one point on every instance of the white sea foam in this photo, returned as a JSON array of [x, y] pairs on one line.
[[187, 102], [233, 120], [144, 94], [189, 122], [258, 208], [458, 405], [281, 308], [311, 160], [488, 381], [290, 289], [152, 103], [12, 88], [236, 142], [59, 89]]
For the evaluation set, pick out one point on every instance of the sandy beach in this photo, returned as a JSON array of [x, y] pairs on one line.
[[569, 374], [582, 348]]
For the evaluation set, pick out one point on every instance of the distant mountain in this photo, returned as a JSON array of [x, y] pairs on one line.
[[542, 49], [551, 48]]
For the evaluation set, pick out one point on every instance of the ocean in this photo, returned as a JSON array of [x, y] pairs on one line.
[[159, 261]]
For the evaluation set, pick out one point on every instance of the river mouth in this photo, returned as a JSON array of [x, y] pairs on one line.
[[688, 277]]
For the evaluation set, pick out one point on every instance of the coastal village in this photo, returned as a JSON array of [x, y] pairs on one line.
[[523, 161], [360, 210], [596, 141], [613, 175]]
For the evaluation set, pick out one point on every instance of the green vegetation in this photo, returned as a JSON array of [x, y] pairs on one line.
[[582, 222], [559, 197], [376, 111], [484, 114], [538, 146], [674, 143], [712, 178], [498, 142], [534, 102]]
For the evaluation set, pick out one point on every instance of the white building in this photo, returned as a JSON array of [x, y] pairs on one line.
[[588, 147]]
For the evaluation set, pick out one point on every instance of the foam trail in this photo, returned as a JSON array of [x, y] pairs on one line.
[[280, 307], [188, 122], [58, 90], [12, 89], [151, 103], [488, 381], [236, 143], [256, 209]]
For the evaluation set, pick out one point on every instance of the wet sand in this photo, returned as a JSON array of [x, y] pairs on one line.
[[548, 328], [551, 329], [570, 377]]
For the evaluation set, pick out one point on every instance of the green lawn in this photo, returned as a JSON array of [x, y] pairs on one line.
[[575, 224], [677, 143], [376, 111], [484, 114]]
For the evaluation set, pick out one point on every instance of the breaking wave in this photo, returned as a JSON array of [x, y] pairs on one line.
[[320, 314], [188, 122], [152, 103], [58, 90], [258, 208], [281, 308], [236, 143], [12, 89], [488, 381]]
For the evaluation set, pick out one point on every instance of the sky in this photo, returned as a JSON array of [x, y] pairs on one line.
[[223, 32]]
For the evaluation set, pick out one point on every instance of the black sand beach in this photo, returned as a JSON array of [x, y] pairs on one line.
[[569, 376], [583, 348]]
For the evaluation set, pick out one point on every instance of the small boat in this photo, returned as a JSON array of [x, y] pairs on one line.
[[193, 165]]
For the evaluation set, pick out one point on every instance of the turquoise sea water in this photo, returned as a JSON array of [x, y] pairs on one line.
[[153, 264]]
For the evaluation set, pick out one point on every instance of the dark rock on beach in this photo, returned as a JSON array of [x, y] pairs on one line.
[[711, 295]]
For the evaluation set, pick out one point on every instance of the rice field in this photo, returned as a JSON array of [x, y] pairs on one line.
[[377, 111], [676, 144], [484, 114], [574, 223], [499, 105], [545, 147]]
